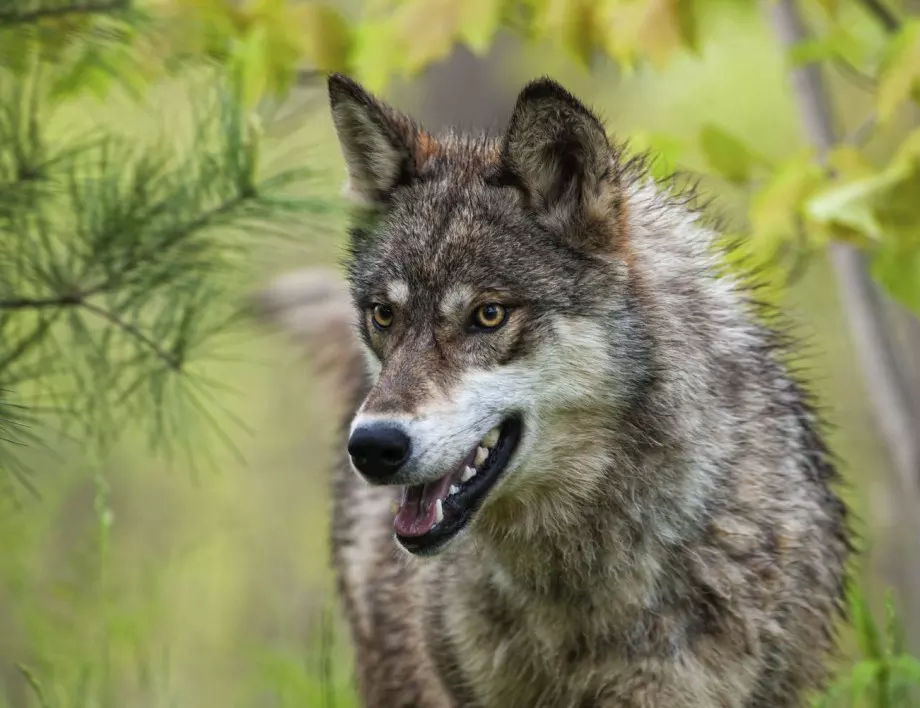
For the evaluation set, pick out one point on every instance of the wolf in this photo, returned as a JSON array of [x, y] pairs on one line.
[[578, 469]]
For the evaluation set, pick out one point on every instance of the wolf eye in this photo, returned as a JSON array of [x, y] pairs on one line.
[[382, 316], [489, 316]]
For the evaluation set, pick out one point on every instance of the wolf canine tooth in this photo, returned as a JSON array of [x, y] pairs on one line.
[[468, 474], [453, 490], [438, 512], [491, 438], [481, 455]]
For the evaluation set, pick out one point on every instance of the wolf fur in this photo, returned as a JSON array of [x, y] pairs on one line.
[[666, 534]]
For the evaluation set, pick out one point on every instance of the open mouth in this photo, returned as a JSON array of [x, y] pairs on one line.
[[433, 513]]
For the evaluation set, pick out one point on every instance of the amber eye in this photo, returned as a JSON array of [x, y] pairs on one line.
[[383, 316], [489, 316]]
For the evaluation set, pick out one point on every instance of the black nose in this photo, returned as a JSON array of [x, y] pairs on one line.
[[378, 450]]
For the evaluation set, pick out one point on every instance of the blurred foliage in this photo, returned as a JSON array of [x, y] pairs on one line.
[[82, 46], [884, 675], [795, 207], [120, 260]]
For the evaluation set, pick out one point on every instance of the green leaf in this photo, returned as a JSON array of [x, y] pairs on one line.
[[376, 51], [665, 29], [579, 31], [866, 630], [897, 267], [34, 685], [846, 208], [571, 23], [849, 162], [428, 29], [831, 46], [479, 21], [907, 667], [838, 43], [727, 155], [863, 677], [894, 631], [875, 205], [900, 74], [327, 34], [651, 29], [251, 61], [688, 22], [830, 7], [777, 208], [620, 26], [810, 51], [664, 152], [744, 255]]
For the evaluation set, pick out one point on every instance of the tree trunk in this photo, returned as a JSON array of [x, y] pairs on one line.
[[887, 380]]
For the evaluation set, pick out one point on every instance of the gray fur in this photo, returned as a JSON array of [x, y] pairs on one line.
[[667, 534]]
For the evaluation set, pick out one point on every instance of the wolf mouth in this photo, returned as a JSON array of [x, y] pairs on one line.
[[433, 513]]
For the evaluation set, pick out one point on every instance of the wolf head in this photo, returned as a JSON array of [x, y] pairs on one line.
[[495, 301]]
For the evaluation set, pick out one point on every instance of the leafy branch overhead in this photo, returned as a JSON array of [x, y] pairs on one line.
[[794, 208]]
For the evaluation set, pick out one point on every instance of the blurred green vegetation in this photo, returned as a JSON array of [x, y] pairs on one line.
[[134, 577]]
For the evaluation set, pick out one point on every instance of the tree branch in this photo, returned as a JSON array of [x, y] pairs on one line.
[[172, 361], [27, 303], [79, 300], [28, 342], [865, 81], [863, 130], [886, 17], [111, 283], [80, 297], [887, 386]]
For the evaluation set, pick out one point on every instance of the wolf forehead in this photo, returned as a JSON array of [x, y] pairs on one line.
[[438, 235]]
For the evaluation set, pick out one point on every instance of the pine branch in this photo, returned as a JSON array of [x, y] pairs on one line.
[[170, 360], [124, 260], [80, 300], [117, 280], [161, 248], [16, 422], [27, 343], [26, 303], [102, 7]]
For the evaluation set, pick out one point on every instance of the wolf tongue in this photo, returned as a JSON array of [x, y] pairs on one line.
[[417, 514]]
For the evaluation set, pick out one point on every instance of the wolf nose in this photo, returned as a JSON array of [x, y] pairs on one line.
[[379, 450]]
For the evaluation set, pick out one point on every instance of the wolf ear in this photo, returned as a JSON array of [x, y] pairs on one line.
[[383, 149], [556, 149]]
